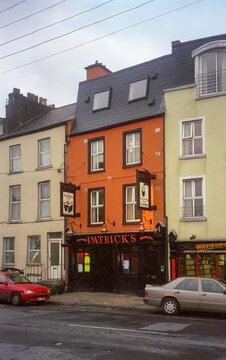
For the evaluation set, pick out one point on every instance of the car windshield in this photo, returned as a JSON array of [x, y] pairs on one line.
[[17, 279], [223, 282]]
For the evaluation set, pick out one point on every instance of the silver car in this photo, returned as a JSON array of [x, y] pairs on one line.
[[188, 293]]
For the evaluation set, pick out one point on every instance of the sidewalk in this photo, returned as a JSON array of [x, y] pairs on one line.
[[101, 299]]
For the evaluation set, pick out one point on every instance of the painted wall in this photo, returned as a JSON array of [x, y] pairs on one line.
[[29, 179], [115, 176], [181, 105]]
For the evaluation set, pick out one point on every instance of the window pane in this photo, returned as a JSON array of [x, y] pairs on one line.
[[15, 166], [101, 100], [187, 129], [211, 286], [188, 188], [15, 151], [94, 163], [129, 212], [100, 146], [198, 128], [197, 146], [187, 147], [93, 215], [44, 145], [45, 159], [15, 193], [198, 207], [129, 194], [129, 140], [137, 155], [188, 208], [34, 242], [101, 214], [15, 215], [198, 187], [45, 191], [137, 139], [101, 197], [138, 90], [44, 208], [94, 147], [93, 198]]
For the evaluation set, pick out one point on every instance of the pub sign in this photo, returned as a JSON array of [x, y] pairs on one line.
[[67, 199], [143, 179]]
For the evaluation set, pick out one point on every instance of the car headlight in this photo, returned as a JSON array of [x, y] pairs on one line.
[[28, 292]]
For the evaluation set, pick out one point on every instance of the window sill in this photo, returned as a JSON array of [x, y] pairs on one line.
[[195, 219], [96, 171], [133, 222], [44, 167], [44, 219], [206, 96], [15, 172], [95, 225], [125, 166], [15, 222], [201, 156]]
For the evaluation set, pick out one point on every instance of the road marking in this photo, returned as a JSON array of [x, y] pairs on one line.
[[117, 329], [164, 326]]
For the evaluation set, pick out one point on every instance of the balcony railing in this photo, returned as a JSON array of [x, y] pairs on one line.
[[192, 212], [211, 83], [38, 272]]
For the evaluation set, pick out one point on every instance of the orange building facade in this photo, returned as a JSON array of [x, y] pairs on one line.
[[122, 252]]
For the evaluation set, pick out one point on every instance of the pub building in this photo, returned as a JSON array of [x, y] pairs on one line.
[[197, 258], [116, 239]]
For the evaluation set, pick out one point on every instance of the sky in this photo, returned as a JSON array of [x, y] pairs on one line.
[[57, 77]]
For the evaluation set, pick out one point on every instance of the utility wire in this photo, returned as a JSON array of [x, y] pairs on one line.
[[71, 32], [104, 36], [12, 6], [58, 22], [26, 17]]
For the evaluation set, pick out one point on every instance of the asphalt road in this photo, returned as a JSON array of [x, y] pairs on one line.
[[83, 333]]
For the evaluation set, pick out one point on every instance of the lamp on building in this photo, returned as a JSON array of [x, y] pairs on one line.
[[141, 227], [104, 228]]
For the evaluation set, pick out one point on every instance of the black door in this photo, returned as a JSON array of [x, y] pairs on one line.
[[102, 268]]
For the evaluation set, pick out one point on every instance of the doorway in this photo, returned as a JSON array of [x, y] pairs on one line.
[[102, 259], [54, 256]]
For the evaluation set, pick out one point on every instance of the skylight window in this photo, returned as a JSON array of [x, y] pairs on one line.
[[101, 100], [138, 90]]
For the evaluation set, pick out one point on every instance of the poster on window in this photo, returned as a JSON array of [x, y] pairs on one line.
[[143, 189], [67, 199]]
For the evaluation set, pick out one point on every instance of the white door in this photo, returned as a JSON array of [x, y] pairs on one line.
[[54, 257]]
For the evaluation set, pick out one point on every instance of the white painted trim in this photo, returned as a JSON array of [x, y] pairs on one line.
[[203, 118], [209, 46]]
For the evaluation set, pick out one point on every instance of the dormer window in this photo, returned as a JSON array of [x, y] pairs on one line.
[[210, 68], [138, 90], [101, 100]]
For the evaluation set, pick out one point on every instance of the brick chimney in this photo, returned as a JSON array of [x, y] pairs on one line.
[[20, 109], [96, 70]]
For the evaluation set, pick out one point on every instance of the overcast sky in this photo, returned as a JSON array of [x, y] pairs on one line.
[[56, 78]]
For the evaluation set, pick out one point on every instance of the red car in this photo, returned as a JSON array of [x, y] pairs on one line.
[[16, 288]]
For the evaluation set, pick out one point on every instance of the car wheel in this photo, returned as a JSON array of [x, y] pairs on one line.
[[170, 306], [16, 299]]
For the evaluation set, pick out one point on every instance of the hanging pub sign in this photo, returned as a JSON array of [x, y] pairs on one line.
[[67, 199], [143, 180]]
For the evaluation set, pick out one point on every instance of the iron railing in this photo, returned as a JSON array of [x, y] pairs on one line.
[[38, 272], [210, 83]]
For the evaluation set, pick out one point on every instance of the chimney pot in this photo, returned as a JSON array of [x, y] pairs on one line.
[[16, 91]]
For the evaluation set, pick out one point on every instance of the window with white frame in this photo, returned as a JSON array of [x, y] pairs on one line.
[[131, 213], [96, 206], [210, 68], [132, 148], [8, 251], [34, 249], [96, 155], [15, 158], [193, 198], [44, 153], [138, 90], [192, 138], [44, 199], [1, 128], [15, 202], [101, 100]]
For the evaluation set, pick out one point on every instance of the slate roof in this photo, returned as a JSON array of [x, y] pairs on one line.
[[175, 69], [50, 119]]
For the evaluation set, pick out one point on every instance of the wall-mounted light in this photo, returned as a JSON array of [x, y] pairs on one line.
[[141, 227], [104, 228]]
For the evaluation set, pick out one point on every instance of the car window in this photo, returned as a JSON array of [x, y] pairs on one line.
[[2, 279], [17, 278], [188, 284], [211, 286]]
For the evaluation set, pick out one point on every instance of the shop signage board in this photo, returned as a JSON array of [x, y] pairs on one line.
[[67, 199], [108, 239], [143, 180]]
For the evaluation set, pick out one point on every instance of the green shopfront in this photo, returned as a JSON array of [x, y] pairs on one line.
[[115, 262]]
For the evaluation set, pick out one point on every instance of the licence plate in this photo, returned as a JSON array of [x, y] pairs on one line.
[[41, 298]]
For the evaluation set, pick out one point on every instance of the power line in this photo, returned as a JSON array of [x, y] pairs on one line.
[[35, 13], [58, 22], [102, 37], [75, 30], [12, 6]]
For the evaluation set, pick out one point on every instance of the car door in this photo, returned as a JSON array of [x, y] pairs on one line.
[[187, 294], [3, 288], [212, 296]]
